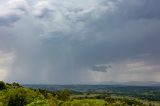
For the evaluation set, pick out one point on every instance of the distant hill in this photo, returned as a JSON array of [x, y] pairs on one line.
[[132, 83], [142, 83]]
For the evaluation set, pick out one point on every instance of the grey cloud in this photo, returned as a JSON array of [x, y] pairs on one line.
[[45, 13], [101, 68], [69, 41], [8, 20], [140, 9]]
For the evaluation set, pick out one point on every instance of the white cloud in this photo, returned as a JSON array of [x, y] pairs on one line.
[[69, 16], [11, 11], [42, 8]]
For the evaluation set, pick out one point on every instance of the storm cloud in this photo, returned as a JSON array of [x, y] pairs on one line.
[[101, 68], [87, 41]]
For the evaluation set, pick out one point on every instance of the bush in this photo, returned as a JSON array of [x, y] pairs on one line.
[[39, 103], [64, 95], [17, 100], [16, 85], [2, 85], [22, 96]]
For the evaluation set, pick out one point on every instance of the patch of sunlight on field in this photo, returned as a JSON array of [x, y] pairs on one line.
[[84, 102]]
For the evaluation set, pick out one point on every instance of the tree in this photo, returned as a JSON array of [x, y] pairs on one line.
[[17, 100], [2, 85], [18, 97], [16, 85], [64, 95]]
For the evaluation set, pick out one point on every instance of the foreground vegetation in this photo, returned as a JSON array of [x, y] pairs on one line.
[[16, 95]]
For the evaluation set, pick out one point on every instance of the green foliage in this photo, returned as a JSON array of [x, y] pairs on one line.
[[45, 92], [22, 96], [39, 103], [53, 101], [83, 102], [2, 85], [16, 85], [17, 100], [16, 95], [64, 95], [119, 101], [19, 96], [1, 104]]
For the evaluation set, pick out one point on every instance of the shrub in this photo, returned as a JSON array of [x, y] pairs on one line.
[[38, 103], [17, 100], [64, 95], [16, 85], [2, 85]]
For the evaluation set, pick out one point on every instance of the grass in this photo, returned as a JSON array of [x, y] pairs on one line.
[[84, 102]]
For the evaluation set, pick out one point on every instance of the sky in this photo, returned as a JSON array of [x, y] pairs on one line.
[[79, 41]]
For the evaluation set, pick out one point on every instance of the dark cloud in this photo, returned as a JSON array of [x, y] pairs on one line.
[[8, 20], [70, 44], [139, 9], [101, 68]]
